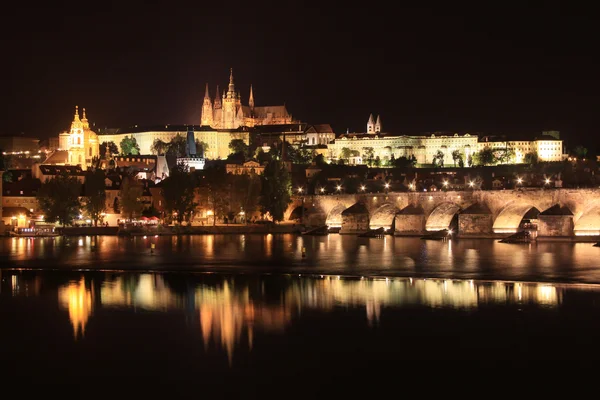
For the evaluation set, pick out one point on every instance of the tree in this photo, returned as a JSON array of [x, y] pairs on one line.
[[177, 147], [580, 152], [58, 199], [319, 160], [178, 191], [129, 146], [377, 161], [107, 149], [213, 186], [438, 159], [405, 162], [457, 157], [131, 196], [95, 193], [470, 160], [531, 158], [299, 155], [116, 206], [369, 155], [276, 190], [159, 147], [485, 157], [238, 146], [201, 148], [505, 156]]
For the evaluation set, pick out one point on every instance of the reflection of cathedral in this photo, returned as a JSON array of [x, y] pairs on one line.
[[227, 112]]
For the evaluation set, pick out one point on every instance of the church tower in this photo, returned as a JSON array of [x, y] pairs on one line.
[[230, 101], [370, 125], [206, 118], [251, 101], [76, 141], [378, 125]]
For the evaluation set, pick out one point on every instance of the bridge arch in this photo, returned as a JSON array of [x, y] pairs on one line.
[[510, 217], [334, 218], [383, 217], [444, 216], [589, 222]]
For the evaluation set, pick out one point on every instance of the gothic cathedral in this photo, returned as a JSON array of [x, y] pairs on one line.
[[227, 112]]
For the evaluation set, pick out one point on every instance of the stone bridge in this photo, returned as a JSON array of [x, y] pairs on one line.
[[554, 212]]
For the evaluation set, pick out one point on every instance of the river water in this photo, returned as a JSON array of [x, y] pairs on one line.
[[252, 309]]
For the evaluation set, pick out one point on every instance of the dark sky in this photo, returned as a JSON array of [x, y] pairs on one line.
[[513, 69]]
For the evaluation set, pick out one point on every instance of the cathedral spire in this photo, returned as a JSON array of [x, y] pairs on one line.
[[218, 98], [231, 85], [206, 96], [370, 124], [76, 118], [251, 101], [378, 125], [83, 114]]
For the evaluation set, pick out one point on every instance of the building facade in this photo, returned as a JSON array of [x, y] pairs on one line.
[[227, 111], [217, 140], [384, 145], [548, 147], [78, 146]]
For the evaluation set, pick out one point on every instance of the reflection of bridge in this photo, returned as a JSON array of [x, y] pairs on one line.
[[557, 212]]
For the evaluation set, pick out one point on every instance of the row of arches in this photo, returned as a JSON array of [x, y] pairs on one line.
[[511, 218]]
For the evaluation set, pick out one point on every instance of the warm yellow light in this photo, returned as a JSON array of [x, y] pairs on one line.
[[547, 181], [519, 180], [362, 187], [445, 183], [471, 184], [339, 187], [209, 212], [322, 190], [387, 185], [299, 190]]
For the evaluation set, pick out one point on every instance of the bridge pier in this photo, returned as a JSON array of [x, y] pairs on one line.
[[410, 221]]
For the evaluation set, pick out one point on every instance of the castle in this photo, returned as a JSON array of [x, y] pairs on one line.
[[227, 111]]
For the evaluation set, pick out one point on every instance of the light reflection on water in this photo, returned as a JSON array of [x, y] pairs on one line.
[[332, 254], [229, 310]]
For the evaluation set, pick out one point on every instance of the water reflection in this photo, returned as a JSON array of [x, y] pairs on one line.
[[227, 311], [333, 254], [78, 300]]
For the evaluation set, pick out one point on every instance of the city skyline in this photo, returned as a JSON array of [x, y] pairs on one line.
[[511, 72]]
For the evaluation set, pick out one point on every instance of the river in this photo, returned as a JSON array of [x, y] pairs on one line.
[[252, 310]]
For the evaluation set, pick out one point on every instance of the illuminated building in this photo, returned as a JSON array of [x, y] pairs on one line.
[[548, 146], [217, 140], [384, 145], [79, 146], [227, 112]]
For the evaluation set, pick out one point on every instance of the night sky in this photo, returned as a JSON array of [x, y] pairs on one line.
[[514, 70]]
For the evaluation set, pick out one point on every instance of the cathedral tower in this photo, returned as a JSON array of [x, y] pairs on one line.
[[378, 125], [230, 106], [251, 101], [370, 125], [207, 109]]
